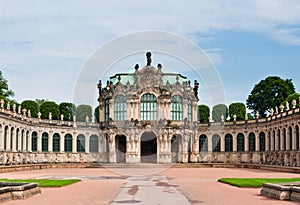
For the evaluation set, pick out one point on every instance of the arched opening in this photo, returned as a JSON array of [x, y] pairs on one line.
[[284, 139], [5, 137], [148, 147], [94, 144], [80, 143], [17, 139], [269, 140], [262, 142], [203, 143], [274, 142], [68, 143], [11, 138], [251, 142], [291, 138], [240, 142], [228, 143], [216, 143], [27, 141], [34, 141], [120, 148], [22, 148], [278, 139], [56, 143], [175, 148], [45, 142]]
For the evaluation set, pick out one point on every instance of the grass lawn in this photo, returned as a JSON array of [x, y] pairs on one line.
[[254, 182], [44, 182]]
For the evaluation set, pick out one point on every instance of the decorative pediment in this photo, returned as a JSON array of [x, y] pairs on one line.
[[148, 76]]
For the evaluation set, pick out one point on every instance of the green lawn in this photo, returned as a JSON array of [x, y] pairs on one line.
[[44, 182], [254, 182]]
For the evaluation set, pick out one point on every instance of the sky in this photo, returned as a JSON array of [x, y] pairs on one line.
[[44, 45]]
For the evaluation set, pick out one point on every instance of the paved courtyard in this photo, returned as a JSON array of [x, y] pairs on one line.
[[147, 185]]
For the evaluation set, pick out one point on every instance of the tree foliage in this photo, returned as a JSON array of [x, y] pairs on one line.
[[96, 114], [32, 106], [82, 111], [238, 109], [4, 90], [290, 98], [269, 93], [203, 113], [47, 107], [68, 110], [218, 111]]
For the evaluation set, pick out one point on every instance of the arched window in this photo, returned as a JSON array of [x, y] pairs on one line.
[[17, 139], [252, 142], [120, 108], [216, 144], [56, 143], [262, 142], [203, 143], [68, 143], [106, 110], [34, 142], [45, 142], [22, 140], [228, 143], [190, 111], [297, 137], [80, 143], [240, 142], [148, 107], [279, 139], [5, 137], [11, 138], [27, 141], [274, 143], [291, 138], [176, 107], [94, 143]]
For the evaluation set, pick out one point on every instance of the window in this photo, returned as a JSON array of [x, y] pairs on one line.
[[291, 138], [148, 107], [68, 143], [120, 107], [56, 143], [203, 143], [94, 143], [284, 139], [228, 143], [45, 142], [176, 108], [240, 142], [189, 111], [216, 143], [34, 142], [278, 139], [106, 110], [80, 143]]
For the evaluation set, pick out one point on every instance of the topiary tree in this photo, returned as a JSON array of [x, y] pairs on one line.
[[82, 111], [68, 110], [47, 107], [32, 106], [203, 113], [218, 111], [96, 114], [290, 99], [238, 109], [269, 93]]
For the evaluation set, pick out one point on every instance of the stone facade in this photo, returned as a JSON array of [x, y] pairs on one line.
[[149, 116]]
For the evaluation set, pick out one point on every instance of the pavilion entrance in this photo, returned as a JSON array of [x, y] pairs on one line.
[[148, 147]]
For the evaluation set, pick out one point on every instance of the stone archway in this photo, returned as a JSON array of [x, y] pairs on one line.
[[120, 144], [148, 147]]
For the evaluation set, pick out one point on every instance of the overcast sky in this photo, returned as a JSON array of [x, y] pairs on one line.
[[45, 44]]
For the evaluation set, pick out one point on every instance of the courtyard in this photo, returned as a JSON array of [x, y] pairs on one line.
[[147, 185]]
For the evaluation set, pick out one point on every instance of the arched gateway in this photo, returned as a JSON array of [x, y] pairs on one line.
[[148, 147]]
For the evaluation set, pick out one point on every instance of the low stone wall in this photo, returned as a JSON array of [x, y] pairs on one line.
[[282, 191]]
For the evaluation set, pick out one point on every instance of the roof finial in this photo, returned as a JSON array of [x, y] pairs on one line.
[[148, 55]]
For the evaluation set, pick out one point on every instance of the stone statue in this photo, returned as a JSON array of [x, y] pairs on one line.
[[29, 113], [8, 105], [50, 116], [39, 115], [14, 107], [276, 110], [62, 117], [19, 109], [257, 115], [234, 117], [281, 108], [87, 119], [2, 103], [222, 118], [272, 111], [24, 111], [287, 105], [294, 103], [148, 55]]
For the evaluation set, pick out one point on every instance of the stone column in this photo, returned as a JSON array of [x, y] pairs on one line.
[[195, 111], [39, 142], [294, 138], [257, 140], [209, 143], [267, 141], [24, 140], [20, 138], [87, 143], [234, 142], [287, 136], [50, 142], [2, 138], [222, 141], [281, 140], [14, 138], [246, 142], [272, 141], [62, 142], [74, 143], [29, 142]]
